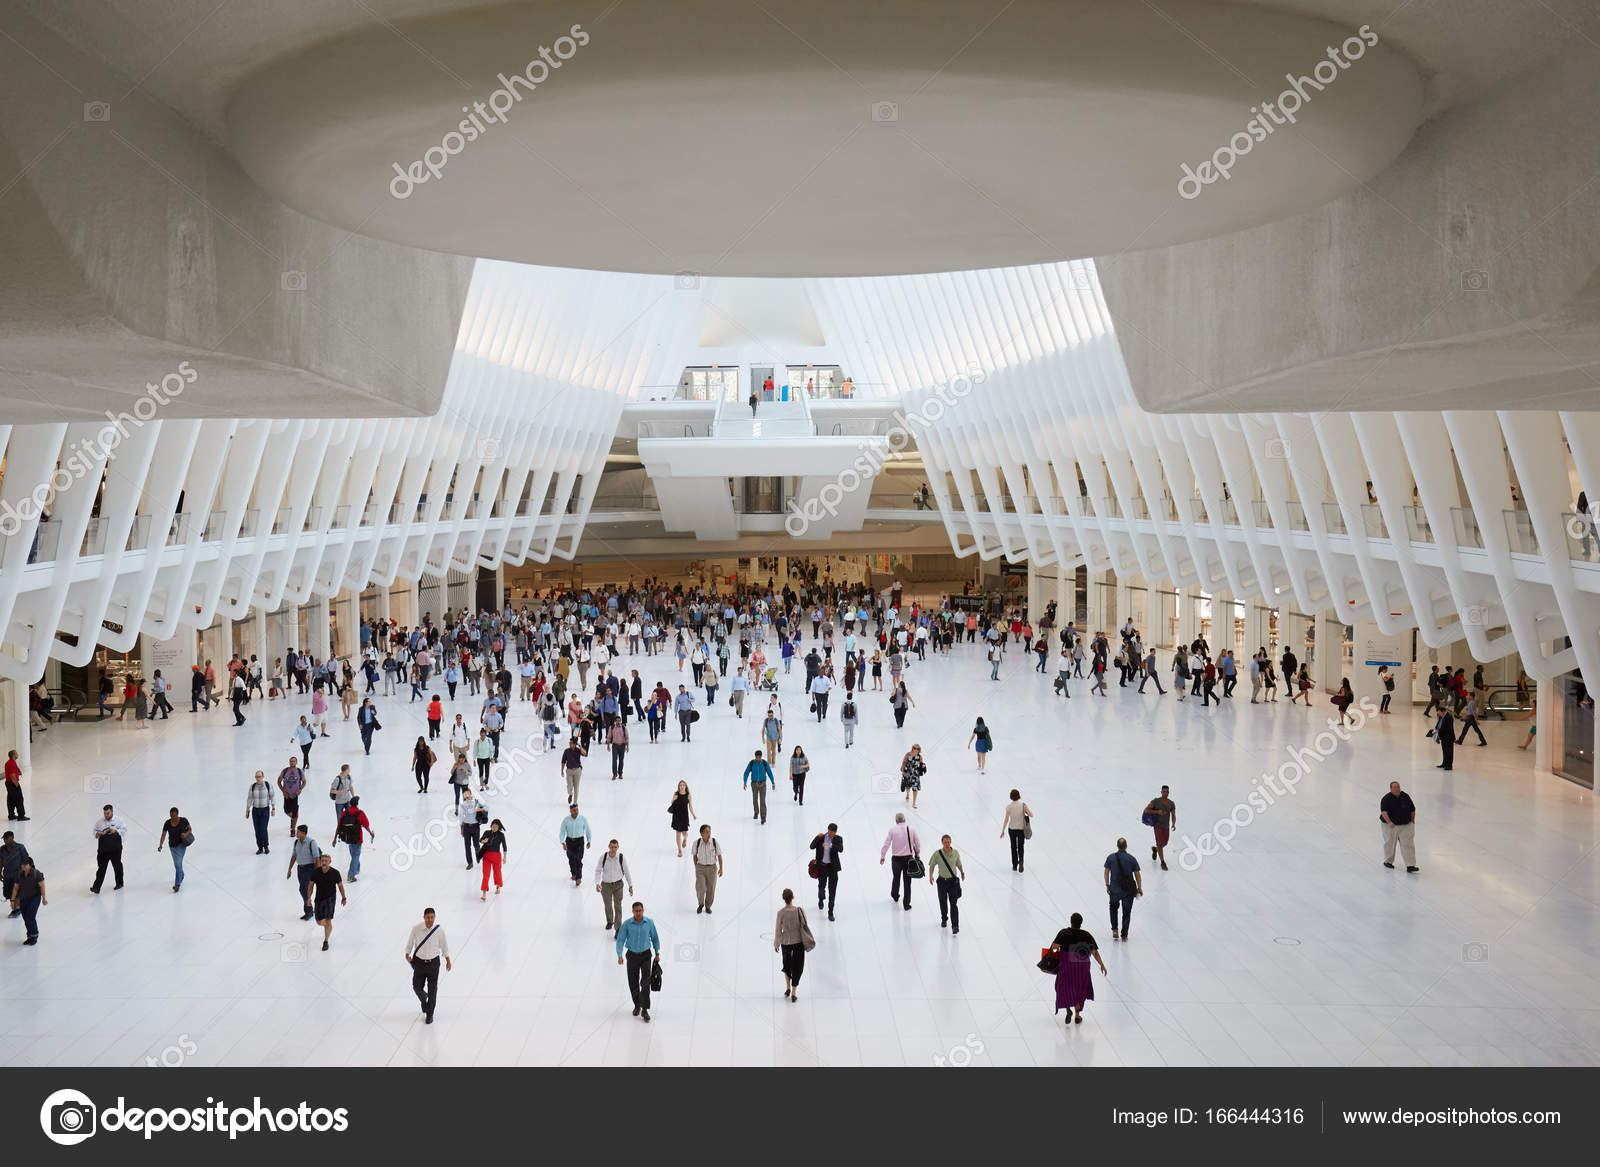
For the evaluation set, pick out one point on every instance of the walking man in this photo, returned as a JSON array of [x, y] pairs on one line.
[[108, 832], [756, 776], [1123, 884], [425, 947], [367, 722], [572, 767], [828, 846], [291, 781], [902, 842], [326, 882], [259, 807], [574, 838], [637, 937], [1151, 673], [610, 873], [1399, 817], [946, 873], [28, 896], [619, 748], [683, 703], [303, 863], [1469, 721], [1162, 815], [12, 853], [707, 855]]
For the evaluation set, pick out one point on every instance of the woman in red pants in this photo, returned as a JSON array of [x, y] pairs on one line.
[[492, 851]]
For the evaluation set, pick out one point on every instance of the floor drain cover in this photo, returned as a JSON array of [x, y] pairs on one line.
[[270, 936], [1290, 940]]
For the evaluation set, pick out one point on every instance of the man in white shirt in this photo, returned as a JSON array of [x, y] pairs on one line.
[[109, 831], [610, 873], [819, 695], [424, 947], [460, 736]]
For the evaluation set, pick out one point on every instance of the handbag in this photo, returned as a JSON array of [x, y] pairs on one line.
[[655, 975], [813, 705], [813, 870], [807, 940], [1049, 962], [187, 838], [1150, 818], [1027, 826]]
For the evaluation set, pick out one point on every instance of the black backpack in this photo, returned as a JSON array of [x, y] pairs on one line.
[[349, 828]]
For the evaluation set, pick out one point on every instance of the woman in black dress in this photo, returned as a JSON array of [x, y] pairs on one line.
[[682, 810]]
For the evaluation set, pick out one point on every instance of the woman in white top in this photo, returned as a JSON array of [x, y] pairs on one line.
[[1016, 825]]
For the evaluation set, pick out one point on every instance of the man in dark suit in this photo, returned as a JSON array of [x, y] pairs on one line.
[[828, 847], [636, 694]]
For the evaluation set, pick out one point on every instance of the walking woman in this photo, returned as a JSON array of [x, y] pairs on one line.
[[422, 760], [347, 691], [460, 775], [982, 741], [799, 765], [1016, 824], [912, 768], [176, 836], [492, 854], [141, 703], [899, 701], [1343, 699], [1269, 680], [1074, 986], [656, 711], [877, 670], [1302, 686], [791, 935], [681, 808], [483, 752]]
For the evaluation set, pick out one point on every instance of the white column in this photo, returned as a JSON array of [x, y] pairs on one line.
[[383, 603], [1188, 616], [1544, 717], [14, 722], [262, 640], [318, 632], [1036, 600]]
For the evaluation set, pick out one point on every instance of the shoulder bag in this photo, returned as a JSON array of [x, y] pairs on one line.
[[915, 867], [807, 940], [423, 941]]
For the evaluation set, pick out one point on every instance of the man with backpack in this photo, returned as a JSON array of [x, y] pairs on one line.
[[352, 821]]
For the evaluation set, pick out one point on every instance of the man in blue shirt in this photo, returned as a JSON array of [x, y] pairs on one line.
[[574, 839], [683, 703], [1123, 883], [756, 776], [638, 937]]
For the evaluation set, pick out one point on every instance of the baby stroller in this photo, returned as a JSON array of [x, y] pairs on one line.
[[769, 681]]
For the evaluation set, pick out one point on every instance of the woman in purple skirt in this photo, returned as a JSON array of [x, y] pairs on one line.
[[1073, 983]]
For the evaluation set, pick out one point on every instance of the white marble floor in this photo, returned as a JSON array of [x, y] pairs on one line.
[[1295, 947]]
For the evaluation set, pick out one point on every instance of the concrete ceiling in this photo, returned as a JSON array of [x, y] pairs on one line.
[[728, 137]]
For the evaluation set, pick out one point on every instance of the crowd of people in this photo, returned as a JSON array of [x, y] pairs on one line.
[[571, 662]]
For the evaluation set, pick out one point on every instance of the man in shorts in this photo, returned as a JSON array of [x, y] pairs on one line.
[[1166, 817], [326, 884]]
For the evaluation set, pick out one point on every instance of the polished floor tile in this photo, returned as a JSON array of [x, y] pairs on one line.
[[1291, 945]]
